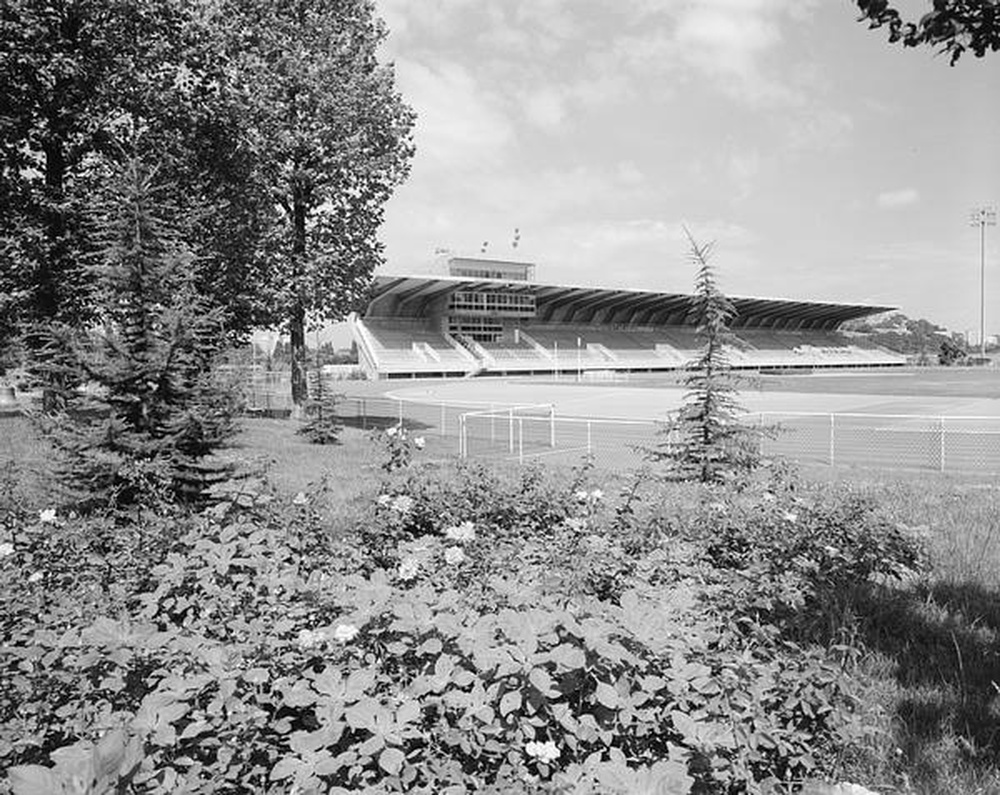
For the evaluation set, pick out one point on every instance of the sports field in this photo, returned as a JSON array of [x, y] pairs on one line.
[[933, 392], [915, 419]]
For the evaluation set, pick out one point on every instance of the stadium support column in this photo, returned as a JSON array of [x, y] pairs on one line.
[[982, 217]]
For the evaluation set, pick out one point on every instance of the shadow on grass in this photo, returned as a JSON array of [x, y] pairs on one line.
[[380, 423], [943, 643]]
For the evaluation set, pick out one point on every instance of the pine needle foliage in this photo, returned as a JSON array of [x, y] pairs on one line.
[[708, 440], [140, 397], [322, 423]]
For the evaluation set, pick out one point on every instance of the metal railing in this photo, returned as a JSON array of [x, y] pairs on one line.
[[519, 432]]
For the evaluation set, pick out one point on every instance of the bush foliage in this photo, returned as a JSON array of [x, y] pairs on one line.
[[482, 631]]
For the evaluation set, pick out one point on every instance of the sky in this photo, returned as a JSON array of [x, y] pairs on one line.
[[825, 163]]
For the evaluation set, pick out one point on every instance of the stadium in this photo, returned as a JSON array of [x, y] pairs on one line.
[[490, 317]]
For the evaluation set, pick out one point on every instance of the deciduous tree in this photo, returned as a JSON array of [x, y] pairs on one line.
[[330, 137], [953, 26], [79, 80]]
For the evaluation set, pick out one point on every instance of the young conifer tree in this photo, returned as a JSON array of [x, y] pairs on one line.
[[152, 402], [708, 440]]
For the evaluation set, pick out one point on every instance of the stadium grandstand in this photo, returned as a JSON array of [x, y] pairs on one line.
[[490, 317]]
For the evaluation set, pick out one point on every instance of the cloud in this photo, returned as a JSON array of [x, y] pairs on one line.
[[729, 41], [545, 108], [889, 200], [459, 122], [743, 168], [814, 128]]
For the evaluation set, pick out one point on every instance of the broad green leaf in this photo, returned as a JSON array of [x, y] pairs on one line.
[[607, 695], [431, 646], [372, 745], [391, 760], [408, 712], [286, 767], [35, 780], [510, 702], [540, 678]]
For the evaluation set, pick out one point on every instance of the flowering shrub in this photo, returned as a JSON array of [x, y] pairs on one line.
[[796, 562], [455, 645], [398, 444]]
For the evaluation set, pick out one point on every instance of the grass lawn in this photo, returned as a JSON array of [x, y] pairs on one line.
[[971, 382]]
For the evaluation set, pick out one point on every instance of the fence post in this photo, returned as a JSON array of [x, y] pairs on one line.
[[552, 426], [364, 415], [462, 450], [941, 434], [400, 413], [444, 419], [833, 434], [520, 440], [510, 431]]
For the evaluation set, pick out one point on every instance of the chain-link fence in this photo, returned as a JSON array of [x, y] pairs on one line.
[[891, 441], [536, 432]]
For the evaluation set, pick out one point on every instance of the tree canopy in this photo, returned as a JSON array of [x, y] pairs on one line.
[[330, 138], [280, 132], [953, 26]]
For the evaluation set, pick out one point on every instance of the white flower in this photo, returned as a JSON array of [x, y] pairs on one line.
[[300, 499], [402, 503], [6, 548], [582, 496], [409, 569], [717, 507], [391, 431], [35, 577], [596, 494], [790, 516], [461, 533], [454, 555], [48, 516], [384, 499], [309, 638], [418, 442], [543, 752], [345, 632], [851, 789]]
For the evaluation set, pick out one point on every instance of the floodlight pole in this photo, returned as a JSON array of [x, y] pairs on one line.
[[982, 217]]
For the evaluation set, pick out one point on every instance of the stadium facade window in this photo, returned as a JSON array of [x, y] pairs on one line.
[[492, 303], [477, 268], [476, 328]]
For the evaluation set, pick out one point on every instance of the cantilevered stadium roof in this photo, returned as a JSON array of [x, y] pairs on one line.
[[422, 296]]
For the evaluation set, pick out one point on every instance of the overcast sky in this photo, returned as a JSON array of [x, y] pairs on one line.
[[826, 163]]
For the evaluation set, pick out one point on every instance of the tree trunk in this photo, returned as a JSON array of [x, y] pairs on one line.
[[297, 329], [297, 321], [46, 297]]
